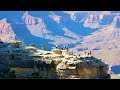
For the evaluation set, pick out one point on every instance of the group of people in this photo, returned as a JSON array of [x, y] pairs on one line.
[[64, 48], [89, 53]]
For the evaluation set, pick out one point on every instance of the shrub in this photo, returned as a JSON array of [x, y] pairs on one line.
[[32, 44], [16, 45], [43, 47]]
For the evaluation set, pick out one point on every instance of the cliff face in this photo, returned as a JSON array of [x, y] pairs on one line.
[[96, 30], [92, 72], [27, 63], [5, 28], [43, 28], [6, 31], [48, 71], [29, 20], [35, 25], [83, 69]]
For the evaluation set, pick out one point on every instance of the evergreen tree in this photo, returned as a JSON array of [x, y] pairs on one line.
[[24, 44], [43, 47], [21, 39], [32, 44], [16, 45]]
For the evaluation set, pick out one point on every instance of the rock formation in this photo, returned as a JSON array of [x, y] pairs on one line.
[[85, 68], [6, 31], [55, 64]]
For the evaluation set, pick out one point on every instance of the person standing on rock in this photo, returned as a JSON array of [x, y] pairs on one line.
[[56, 46]]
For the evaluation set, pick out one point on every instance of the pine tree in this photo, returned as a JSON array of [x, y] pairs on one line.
[[43, 47], [32, 44]]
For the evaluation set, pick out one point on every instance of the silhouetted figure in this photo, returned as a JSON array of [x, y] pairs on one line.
[[1, 41], [56, 46], [90, 52], [66, 48]]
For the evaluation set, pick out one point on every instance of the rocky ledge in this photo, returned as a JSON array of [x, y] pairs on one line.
[[85, 68]]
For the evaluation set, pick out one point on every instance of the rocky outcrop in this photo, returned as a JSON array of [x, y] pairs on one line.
[[55, 65], [90, 68], [29, 20], [35, 25], [6, 31], [5, 28], [93, 21], [55, 17]]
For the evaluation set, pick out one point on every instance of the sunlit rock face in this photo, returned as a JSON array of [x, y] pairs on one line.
[[55, 17], [55, 64], [96, 30], [5, 28], [29, 20], [93, 21], [83, 69], [6, 31]]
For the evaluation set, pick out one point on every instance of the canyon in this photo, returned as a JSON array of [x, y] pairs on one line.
[[97, 31]]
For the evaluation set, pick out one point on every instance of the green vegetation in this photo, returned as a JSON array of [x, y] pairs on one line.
[[1, 75], [12, 74], [43, 47], [21, 39], [0, 40], [47, 57], [36, 75], [40, 57], [32, 45], [24, 44], [9, 74], [16, 44], [12, 56]]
